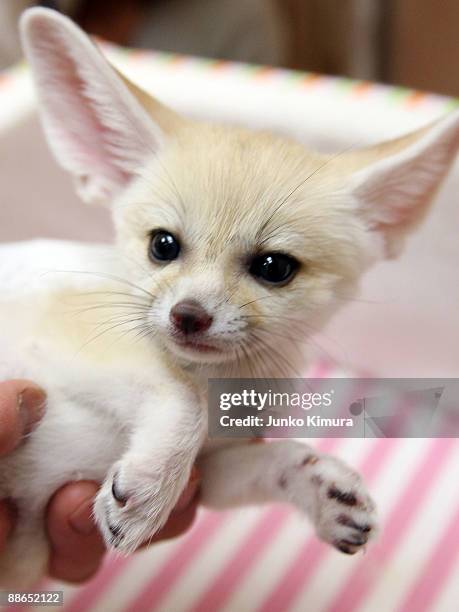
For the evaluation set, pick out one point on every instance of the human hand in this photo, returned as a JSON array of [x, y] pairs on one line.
[[77, 549], [21, 408], [76, 544]]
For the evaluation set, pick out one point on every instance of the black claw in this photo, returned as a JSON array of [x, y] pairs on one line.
[[115, 530], [283, 482], [345, 520], [343, 497], [344, 548], [358, 539], [309, 460]]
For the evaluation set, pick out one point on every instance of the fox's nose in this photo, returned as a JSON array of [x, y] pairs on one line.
[[190, 317]]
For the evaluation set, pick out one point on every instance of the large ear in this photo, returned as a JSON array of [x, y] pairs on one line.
[[399, 178], [100, 127]]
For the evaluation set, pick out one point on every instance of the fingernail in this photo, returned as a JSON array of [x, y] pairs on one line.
[[31, 406], [81, 520]]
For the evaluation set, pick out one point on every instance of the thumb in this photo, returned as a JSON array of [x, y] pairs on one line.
[[77, 547], [22, 404]]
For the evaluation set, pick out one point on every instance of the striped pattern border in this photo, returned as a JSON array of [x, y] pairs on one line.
[[301, 81], [290, 78]]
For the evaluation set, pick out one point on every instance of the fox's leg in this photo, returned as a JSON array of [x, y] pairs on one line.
[[143, 487], [328, 491]]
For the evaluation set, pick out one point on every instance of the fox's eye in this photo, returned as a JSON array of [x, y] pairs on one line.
[[164, 246], [273, 268]]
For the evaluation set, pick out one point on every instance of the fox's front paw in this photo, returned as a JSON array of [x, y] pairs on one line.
[[335, 498], [345, 515], [135, 501]]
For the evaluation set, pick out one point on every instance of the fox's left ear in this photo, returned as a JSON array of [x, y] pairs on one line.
[[100, 127], [399, 178]]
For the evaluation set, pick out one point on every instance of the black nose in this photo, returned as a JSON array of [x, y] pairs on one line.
[[190, 317]]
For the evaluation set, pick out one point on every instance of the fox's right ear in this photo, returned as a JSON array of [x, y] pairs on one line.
[[100, 127], [397, 180]]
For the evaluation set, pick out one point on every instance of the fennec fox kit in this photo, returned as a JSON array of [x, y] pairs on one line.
[[231, 247]]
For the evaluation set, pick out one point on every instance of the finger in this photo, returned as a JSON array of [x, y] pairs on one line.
[[22, 404], [189, 492], [184, 513], [77, 548], [177, 524], [6, 522]]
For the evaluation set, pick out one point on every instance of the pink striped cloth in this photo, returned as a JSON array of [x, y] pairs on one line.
[[268, 559]]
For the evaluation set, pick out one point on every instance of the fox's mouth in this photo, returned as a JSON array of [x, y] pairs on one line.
[[194, 344], [199, 347]]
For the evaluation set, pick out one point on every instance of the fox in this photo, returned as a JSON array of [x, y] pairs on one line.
[[233, 247]]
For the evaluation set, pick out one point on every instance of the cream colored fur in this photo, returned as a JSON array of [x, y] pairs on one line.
[[126, 402]]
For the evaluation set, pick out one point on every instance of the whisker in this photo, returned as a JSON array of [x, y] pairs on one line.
[[132, 307], [301, 184], [136, 263], [265, 297], [99, 335], [278, 317], [281, 362], [123, 293], [122, 320], [105, 276], [345, 298], [314, 341]]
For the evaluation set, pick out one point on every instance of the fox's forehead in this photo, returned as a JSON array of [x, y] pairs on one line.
[[229, 162], [230, 187]]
